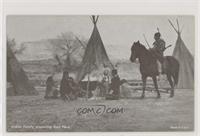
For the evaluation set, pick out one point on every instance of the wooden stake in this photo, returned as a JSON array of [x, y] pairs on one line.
[[88, 85]]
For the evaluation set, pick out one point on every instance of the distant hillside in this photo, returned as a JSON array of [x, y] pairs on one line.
[[36, 50], [39, 57], [47, 48], [35, 68]]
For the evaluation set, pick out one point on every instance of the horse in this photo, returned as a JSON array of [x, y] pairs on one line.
[[149, 67]]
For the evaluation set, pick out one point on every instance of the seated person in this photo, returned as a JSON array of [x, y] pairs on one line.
[[114, 86], [51, 91], [74, 89], [68, 88]]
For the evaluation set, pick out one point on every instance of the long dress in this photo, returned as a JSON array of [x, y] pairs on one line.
[[49, 87]]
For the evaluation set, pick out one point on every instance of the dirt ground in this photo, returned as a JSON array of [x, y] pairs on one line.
[[34, 113]]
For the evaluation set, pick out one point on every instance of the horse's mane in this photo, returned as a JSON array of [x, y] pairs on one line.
[[147, 51], [142, 46]]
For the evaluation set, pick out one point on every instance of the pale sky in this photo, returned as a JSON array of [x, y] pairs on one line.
[[118, 31]]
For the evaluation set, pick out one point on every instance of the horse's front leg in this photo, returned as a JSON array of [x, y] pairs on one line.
[[156, 86], [144, 78]]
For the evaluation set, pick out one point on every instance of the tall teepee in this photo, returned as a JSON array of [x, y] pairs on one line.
[[186, 60], [95, 57], [17, 76]]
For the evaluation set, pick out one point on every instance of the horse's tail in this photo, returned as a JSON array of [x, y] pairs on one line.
[[176, 77], [173, 66], [176, 74]]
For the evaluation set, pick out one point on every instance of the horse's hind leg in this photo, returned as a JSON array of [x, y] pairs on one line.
[[171, 84], [144, 78], [156, 86]]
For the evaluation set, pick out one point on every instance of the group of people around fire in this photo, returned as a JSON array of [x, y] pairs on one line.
[[109, 86], [70, 90]]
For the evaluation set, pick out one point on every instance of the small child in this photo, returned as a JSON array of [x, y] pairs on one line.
[[105, 82]]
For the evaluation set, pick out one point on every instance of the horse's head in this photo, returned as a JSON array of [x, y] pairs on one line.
[[135, 51]]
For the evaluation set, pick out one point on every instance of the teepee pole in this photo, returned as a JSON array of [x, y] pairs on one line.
[[97, 19], [178, 25], [91, 18], [172, 25], [181, 29]]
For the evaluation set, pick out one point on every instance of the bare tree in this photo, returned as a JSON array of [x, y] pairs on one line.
[[69, 43]]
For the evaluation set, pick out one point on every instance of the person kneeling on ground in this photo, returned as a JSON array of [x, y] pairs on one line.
[[114, 87]]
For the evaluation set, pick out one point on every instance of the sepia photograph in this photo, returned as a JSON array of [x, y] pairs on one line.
[[100, 73]]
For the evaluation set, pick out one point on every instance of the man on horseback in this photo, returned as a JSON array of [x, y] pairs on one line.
[[158, 49]]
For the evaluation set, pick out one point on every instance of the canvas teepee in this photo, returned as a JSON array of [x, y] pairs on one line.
[[17, 77], [95, 58], [186, 61]]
